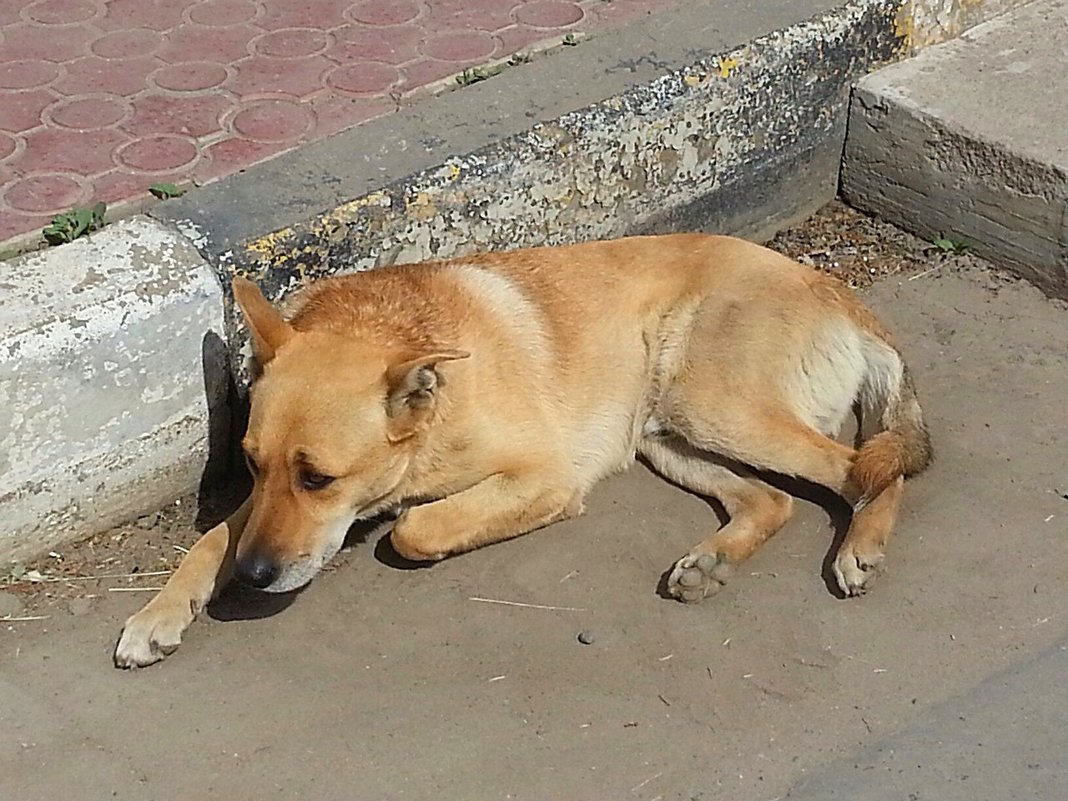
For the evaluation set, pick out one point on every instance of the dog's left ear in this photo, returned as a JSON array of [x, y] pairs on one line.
[[413, 389], [269, 329]]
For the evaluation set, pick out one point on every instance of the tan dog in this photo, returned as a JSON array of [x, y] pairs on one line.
[[502, 387]]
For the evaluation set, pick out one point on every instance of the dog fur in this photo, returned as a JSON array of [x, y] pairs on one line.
[[485, 396]]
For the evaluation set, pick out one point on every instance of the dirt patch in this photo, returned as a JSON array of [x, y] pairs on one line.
[[856, 248], [135, 557]]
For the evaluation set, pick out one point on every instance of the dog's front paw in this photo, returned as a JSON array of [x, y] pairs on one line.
[[697, 576], [415, 550], [855, 571], [153, 633], [410, 540]]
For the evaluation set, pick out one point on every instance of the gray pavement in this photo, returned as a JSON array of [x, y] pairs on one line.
[[1005, 739]]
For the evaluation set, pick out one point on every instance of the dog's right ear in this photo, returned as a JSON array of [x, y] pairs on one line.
[[269, 329], [413, 392]]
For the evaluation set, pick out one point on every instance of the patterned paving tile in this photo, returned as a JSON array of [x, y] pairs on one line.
[[99, 99]]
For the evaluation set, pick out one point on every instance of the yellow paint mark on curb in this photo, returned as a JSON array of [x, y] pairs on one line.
[[267, 244], [727, 66], [905, 28]]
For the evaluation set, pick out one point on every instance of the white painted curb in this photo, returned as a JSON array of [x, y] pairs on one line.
[[104, 404]]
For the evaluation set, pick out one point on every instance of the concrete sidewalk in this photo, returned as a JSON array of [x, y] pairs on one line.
[[386, 684], [1002, 740]]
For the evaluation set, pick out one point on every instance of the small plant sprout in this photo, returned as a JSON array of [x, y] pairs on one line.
[[476, 74], [166, 191], [70, 225], [950, 245]]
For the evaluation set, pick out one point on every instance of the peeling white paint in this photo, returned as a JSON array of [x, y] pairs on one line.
[[92, 381]]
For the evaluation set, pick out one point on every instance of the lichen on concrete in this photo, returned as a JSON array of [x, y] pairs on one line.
[[929, 22]]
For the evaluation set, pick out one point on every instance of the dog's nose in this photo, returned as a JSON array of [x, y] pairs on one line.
[[256, 570]]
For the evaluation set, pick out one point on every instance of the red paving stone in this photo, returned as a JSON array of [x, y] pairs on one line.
[[99, 99], [8, 145]]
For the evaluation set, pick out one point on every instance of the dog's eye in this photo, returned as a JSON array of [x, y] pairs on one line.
[[311, 480]]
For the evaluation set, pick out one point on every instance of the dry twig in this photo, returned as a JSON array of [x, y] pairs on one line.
[[527, 606]]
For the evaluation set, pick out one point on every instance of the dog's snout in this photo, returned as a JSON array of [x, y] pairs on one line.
[[256, 570]]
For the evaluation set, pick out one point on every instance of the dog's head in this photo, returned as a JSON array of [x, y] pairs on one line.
[[333, 426]]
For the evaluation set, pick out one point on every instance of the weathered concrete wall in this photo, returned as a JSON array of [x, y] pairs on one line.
[[967, 141], [104, 406]]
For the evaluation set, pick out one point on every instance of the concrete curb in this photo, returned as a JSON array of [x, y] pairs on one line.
[[966, 141], [722, 115], [111, 367], [637, 160]]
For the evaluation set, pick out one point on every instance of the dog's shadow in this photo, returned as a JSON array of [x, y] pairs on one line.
[[385, 554], [240, 602], [839, 515]]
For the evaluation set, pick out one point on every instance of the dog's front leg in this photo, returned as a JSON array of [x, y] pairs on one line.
[[157, 629], [497, 508]]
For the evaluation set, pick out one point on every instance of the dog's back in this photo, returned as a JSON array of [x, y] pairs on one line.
[[584, 340]]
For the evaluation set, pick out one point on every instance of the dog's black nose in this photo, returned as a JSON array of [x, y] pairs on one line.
[[256, 570]]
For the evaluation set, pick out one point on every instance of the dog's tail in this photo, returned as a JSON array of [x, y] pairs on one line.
[[897, 443]]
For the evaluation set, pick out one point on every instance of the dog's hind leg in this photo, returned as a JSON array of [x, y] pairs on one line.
[[499, 507], [864, 545], [896, 443], [774, 415], [756, 511], [156, 630]]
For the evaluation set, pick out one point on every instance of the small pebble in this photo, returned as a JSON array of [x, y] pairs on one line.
[[586, 637]]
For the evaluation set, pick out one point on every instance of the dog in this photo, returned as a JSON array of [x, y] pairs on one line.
[[484, 397]]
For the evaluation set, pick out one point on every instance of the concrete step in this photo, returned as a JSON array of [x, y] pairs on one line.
[[969, 141]]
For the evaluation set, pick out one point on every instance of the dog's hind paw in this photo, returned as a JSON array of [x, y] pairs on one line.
[[855, 572], [697, 576], [151, 634]]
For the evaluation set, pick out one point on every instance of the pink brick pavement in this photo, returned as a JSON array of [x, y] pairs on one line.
[[99, 99]]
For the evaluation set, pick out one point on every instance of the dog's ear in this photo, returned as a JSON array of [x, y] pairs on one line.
[[413, 391], [269, 329]]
